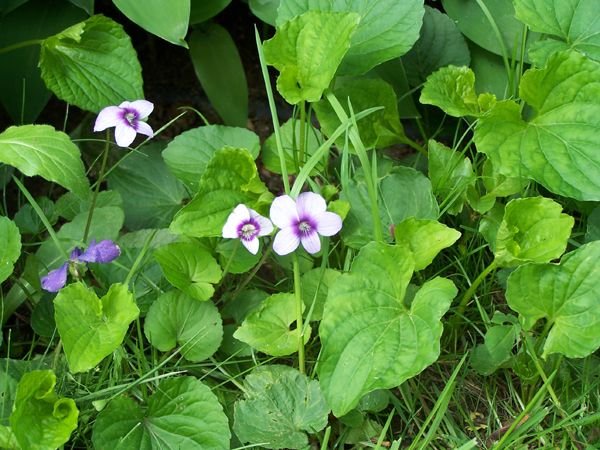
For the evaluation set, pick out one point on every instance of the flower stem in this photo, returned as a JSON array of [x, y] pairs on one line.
[[88, 223], [473, 288], [299, 308], [19, 45], [302, 142]]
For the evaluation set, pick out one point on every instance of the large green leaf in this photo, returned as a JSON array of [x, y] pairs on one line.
[[219, 68], [265, 10], [557, 146], [91, 328], [183, 413], [315, 286], [41, 419], [371, 339], [279, 408], [307, 63], [202, 10], [567, 295], [41, 150], [151, 194], [178, 319], [152, 16], [10, 247], [92, 65], [189, 268], [532, 230], [188, 154], [571, 23], [440, 44], [387, 28]]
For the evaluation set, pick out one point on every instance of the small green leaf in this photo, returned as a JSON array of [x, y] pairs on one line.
[[41, 150], [189, 268], [267, 328], [566, 295], [532, 230], [315, 286], [308, 62], [496, 349], [279, 408], [202, 10], [178, 319], [265, 10], [41, 419], [68, 206], [371, 339], [379, 129], [183, 413], [91, 328], [10, 247], [219, 68], [425, 239], [189, 153], [234, 257], [593, 226], [92, 65]]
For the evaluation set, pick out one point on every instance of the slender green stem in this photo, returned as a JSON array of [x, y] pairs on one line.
[[236, 246], [56, 354], [299, 308], [139, 258], [88, 223], [302, 143], [325, 439], [414, 145], [19, 45], [473, 288]]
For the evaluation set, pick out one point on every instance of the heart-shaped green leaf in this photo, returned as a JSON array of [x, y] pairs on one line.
[[177, 319], [91, 328], [567, 295], [10, 247], [183, 413]]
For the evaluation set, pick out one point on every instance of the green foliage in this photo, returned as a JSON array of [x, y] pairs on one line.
[[178, 319], [564, 294], [315, 286], [182, 413], [280, 406], [92, 65], [91, 328], [41, 150], [10, 247], [41, 419], [496, 349]]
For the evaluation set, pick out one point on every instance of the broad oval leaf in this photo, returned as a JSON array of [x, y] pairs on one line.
[[371, 339], [496, 349], [183, 413], [532, 230], [172, 26], [40, 418], [279, 408], [10, 247], [176, 319], [91, 328], [41, 150], [92, 65], [565, 294], [557, 147]]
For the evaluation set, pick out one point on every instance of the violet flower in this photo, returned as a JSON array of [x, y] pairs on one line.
[[127, 118], [102, 252], [302, 221], [246, 225]]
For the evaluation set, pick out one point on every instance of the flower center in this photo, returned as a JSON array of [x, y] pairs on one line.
[[305, 227], [131, 117], [248, 231]]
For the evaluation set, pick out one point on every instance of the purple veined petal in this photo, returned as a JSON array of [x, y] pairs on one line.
[[108, 117], [143, 107], [124, 134], [264, 224], [310, 204], [286, 241], [329, 224], [238, 216], [75, 254], [311, 242], [56, 279], [251, 245], [145, 129], [283, 211], [103, 252]]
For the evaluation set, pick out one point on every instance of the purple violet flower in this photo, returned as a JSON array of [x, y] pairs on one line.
[[247, 225], [102, 252], [302, 221], [127, 118]]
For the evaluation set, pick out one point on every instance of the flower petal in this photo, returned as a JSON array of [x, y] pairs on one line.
[[103, 252], [124, 134], [329, 224], [56, 279], [311, 242], [143, 107], [265, 225], [108, 117], [239, 215], [145, 129], [286, 241], [310, 204], [283, 211], [251, 245]]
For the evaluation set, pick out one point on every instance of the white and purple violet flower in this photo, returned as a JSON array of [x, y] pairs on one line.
[[246, 225], [102, 252], [127, 118]]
